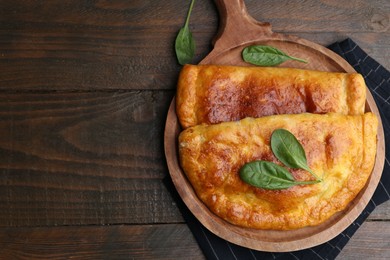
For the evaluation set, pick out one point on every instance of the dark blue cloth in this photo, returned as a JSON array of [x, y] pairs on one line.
[[378, 81]]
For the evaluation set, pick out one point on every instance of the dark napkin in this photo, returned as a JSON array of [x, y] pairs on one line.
[[378, 81]]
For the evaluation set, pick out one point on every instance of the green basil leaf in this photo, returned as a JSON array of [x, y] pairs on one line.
[[263, 55], [184, 43], [289, 151], [268, 175], [184, 46]]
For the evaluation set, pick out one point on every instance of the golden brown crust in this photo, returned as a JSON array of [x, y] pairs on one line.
[[212, 94], [339, 148]]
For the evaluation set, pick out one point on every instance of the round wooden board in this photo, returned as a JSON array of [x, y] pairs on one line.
[[237, 30]]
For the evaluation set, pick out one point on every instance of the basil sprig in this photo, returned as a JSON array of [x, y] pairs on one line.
[[268, 175], [263, 55], [185, 44], [289, 151]]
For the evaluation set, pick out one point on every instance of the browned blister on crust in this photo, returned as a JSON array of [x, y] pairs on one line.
[[339, 148], [212, 94]]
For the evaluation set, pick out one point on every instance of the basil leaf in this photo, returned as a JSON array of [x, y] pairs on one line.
[[289, 151], [268, 175], [263, 55], [184, 43], [185, 46]]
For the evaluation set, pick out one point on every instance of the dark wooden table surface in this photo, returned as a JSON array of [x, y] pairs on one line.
[[84, 91]]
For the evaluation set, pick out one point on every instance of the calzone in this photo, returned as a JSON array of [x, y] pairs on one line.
[[339, 148], [213, 93]]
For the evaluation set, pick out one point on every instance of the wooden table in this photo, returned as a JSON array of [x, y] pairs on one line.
[[84, 91]]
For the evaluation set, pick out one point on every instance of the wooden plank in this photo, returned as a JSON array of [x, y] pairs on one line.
[[84, 158], [113, 129], [109, 45], [172, 241], [167, 241], [381, 212], [371, 241], [298, 15], [323, 16], [50, 199], [102, 45]]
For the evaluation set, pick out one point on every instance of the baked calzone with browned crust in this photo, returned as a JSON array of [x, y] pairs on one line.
[[212, 94], [339, 148]]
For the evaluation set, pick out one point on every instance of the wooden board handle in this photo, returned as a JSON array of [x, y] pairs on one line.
[[236, 27]]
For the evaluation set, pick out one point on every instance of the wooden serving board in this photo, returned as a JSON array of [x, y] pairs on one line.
[[238, 30]]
